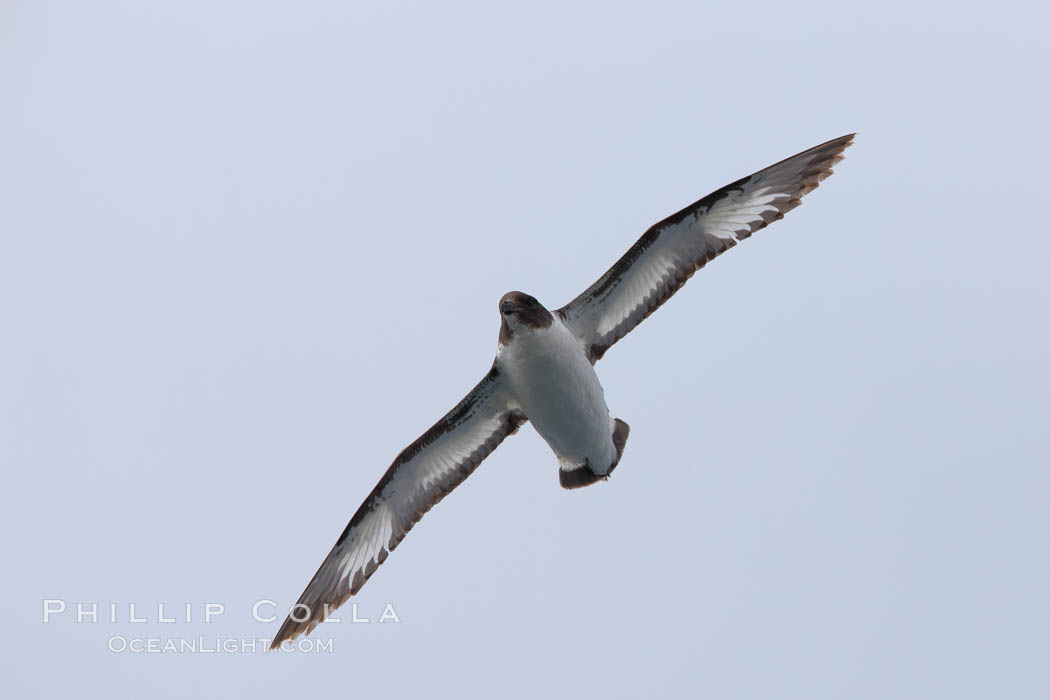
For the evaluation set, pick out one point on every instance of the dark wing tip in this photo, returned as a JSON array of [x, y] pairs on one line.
[[827, 155], [841, 143], [819, 162], [293, 628], [289, 631], [313, 614], [823, 157]]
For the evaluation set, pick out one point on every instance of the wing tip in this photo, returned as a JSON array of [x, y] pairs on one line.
[[819, 162], [841, 143], [291, 629], [316, 613], [829, 153]]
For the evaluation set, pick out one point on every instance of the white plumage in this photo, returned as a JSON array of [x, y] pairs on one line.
[[555, 385]]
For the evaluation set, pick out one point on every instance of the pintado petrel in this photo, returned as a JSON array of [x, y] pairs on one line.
[[544, 373]]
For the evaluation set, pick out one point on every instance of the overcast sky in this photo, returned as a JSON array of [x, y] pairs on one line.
[[250, 250]]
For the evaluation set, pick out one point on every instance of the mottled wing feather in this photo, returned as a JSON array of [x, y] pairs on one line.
[[421, 475], [668, 254]]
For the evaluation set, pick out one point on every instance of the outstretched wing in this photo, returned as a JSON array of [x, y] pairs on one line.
[[421, 475], [668, 254]]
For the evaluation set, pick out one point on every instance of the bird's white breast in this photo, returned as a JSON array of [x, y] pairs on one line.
[[558, 390]]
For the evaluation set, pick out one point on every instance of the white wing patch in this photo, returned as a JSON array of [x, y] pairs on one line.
[[731, 216]]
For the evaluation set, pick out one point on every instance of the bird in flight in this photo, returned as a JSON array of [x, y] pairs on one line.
[[544, 373]]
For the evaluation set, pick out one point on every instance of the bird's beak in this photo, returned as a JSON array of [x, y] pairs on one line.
[[508, 307]]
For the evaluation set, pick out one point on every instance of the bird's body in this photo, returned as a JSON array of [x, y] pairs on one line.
[[544, 373], [556, 388]]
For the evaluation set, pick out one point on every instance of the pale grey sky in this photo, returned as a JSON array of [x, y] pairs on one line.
[[249, 250]]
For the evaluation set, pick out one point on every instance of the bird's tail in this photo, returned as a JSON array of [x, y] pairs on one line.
[[574, 475]]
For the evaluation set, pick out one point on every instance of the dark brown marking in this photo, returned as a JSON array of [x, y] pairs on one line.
[[619, 438], [506, 333], [585, 476], [525, 310], [578, 477]]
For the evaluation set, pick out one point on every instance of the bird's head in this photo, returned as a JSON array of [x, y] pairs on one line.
[[521, 311]]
